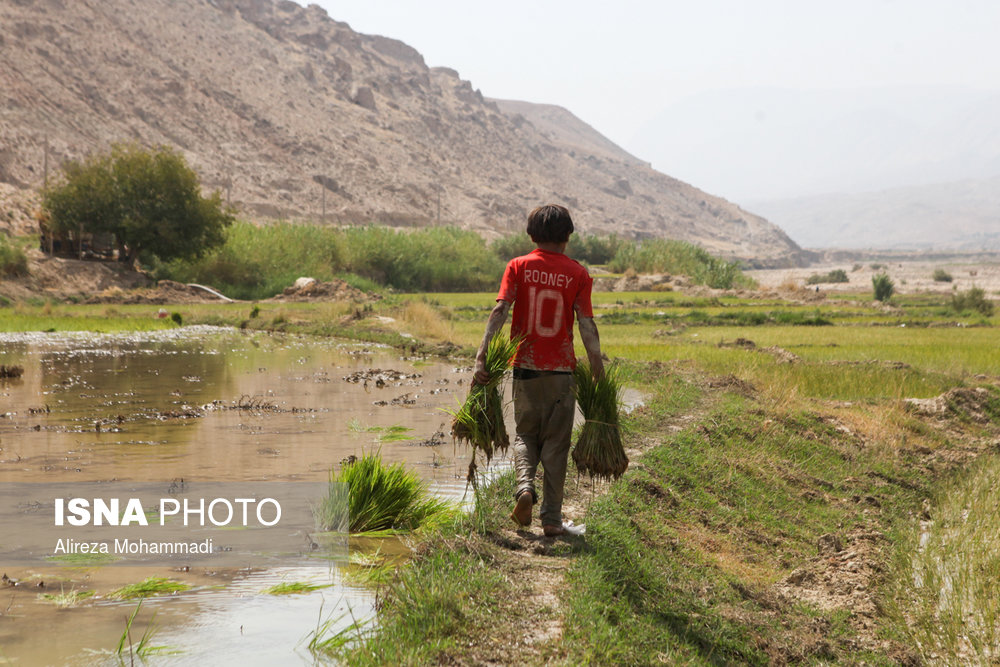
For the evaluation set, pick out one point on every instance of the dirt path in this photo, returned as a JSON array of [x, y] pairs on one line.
[[532, 633]]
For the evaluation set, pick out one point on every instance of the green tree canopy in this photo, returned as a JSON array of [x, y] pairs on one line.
[[149, 199]]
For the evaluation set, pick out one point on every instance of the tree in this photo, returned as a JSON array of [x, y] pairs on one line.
[[149, 199]]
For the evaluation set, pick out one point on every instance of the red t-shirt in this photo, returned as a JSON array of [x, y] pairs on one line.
[[546, 288]]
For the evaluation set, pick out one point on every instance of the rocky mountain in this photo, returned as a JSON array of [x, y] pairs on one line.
[[294, 115]]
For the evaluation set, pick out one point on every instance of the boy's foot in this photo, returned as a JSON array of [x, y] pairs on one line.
[[522, 510], [553, 531]]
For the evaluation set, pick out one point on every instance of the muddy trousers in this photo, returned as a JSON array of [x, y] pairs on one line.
[[543, 414]]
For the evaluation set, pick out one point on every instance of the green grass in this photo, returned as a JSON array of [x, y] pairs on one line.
[[148, 587], [683, 550]]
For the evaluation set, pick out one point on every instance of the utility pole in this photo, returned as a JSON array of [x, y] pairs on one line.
[[45, 184], [45, 164]]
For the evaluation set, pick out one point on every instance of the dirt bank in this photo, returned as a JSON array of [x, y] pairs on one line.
[[911, 276]]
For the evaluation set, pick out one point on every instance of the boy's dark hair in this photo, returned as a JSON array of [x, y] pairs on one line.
[[550, 224]]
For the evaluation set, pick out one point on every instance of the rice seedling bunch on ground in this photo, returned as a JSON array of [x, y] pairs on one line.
[[598, 451], [380, 497], [480, 419]]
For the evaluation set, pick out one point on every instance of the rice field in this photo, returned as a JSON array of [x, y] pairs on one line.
[[948, 595]]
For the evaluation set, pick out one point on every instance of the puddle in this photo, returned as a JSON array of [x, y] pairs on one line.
[[203, 403]]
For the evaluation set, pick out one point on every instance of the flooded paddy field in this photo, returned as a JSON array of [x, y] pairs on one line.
[[210, 405]]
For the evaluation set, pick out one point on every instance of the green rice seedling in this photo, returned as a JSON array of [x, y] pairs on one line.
[[293, 588], [147, 587], [64, 599], [325, 639], [380, 497], [598, 451], [480, 420], [82, 560], [371, 569], [143, 648]]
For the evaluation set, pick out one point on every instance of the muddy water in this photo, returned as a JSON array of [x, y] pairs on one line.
[[205, 404]]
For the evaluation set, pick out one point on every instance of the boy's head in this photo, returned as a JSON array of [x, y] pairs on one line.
[[550, 224]]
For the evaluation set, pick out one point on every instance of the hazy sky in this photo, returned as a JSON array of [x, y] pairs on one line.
[[616, 64]]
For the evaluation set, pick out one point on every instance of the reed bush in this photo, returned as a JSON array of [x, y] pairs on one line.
[[259, 262], [672, 256]]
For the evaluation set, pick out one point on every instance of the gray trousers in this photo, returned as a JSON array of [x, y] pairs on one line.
[[543, 413]]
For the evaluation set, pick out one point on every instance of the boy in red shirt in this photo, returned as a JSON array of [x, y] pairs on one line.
[[546, 289]]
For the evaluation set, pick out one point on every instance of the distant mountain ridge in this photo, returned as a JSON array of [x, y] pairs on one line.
[[963, 216], [294, 115]]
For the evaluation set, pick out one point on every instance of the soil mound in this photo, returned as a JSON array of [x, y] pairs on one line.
[[976, 404], [62, 278], [310, 289], [165, 291]]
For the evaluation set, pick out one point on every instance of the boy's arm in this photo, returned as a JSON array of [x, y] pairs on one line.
[[592, 343], [498, 316]]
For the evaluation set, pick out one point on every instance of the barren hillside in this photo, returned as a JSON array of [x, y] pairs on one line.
[[293, 115]]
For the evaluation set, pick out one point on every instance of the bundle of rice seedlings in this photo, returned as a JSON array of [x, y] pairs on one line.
[[480, 419], [380, 498], [598, 451]]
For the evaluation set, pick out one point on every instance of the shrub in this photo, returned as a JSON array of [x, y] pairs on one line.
[[13, 261], [835, 276], [941, 276], [973, 299], [883, 286]]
